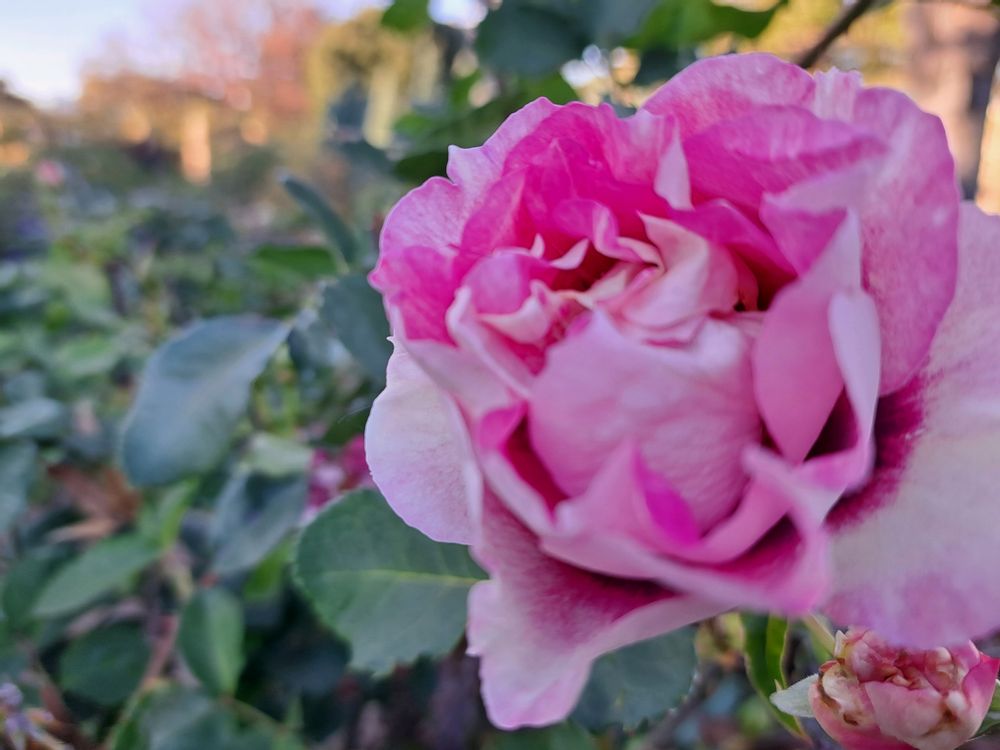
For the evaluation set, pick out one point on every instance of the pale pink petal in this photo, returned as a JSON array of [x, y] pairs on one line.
[[538, 624], [475, 169], [900, 711], [417, 455], [729, 86], [771, 149], [797, 378], [910, 229], [691, 410], [915, 556]]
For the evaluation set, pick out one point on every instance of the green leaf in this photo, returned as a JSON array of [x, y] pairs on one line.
[[193, 392], [276, 456], [105, 567], [304, 262], [160, 521], [178, 718], [356, 313], [23, 583], [211, 639], [17, 469], [335, 228], [765, 640], [261, 512], [390, 591], [86, 356], [406, 15], [566, 736], [519, 37], [638, 682], [105, 665], [34, 418], [166, 719], [675, 24]]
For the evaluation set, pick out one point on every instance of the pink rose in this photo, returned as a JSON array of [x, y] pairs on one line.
[[875, 697], [708, 356], [333, 474]]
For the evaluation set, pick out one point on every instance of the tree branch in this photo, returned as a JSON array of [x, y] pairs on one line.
[[705, 679], [839, 27]]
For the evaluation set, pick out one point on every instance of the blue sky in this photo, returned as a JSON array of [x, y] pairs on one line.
[[44, 42]]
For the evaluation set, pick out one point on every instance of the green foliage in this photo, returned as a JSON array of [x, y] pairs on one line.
[[639, 682], [254, 514], [675, 24], [406, 15], [104, 568], [211, 639], [522, 37], [194, 390], [765, 642], [391, 592], [305, 262], [355, 312], [561, 737], [105, 665], [17, 468], [336, 229]]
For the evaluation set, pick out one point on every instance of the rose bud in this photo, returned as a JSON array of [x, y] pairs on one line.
[[873, 696]]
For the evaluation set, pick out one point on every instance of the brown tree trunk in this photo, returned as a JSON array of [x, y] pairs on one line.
[[953, 59]]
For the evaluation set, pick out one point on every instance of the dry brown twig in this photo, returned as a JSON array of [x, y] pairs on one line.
[[837, 29]]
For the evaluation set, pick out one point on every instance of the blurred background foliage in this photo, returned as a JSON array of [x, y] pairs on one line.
[[191, 553]]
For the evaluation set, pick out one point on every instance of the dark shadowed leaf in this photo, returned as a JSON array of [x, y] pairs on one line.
[[33, 418], [566, 736], [103, 568], [211, 639], [194, 390], [519, 37], [105, 665], [334, 227], [390, 591], [17, 469], [355, 311], [639, 682], [256, 513], [24, 581]]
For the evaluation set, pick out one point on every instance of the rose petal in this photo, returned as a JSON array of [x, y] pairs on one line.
[[417, 456], [913, 558], [538, 624], [690, 410]]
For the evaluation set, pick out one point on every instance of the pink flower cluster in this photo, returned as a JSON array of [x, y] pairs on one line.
[[737, 350]]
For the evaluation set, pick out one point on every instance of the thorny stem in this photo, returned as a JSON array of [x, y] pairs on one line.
[[836, 30]]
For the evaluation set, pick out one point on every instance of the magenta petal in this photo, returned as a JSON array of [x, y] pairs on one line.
[[914, 552], [417, 456], [538, 624]]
